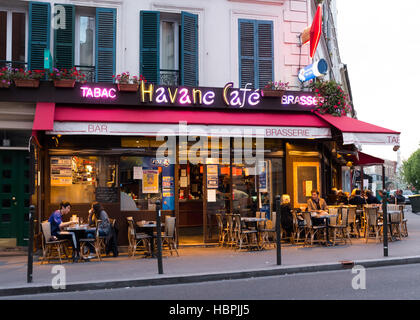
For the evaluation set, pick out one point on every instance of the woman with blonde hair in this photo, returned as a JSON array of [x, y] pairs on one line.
[[286, 214]]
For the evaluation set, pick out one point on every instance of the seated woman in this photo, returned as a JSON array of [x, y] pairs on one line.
[[286, 214], [96, 213]]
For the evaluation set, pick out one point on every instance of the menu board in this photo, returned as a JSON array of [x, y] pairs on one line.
[[212, 176], [60, 171], [104, 194]]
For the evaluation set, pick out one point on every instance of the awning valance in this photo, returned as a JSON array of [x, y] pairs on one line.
[[358, 132]]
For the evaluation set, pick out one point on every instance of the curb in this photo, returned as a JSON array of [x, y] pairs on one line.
[[195, 278]]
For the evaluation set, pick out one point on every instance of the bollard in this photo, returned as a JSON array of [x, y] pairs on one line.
[[159, 237], [385, 224], [31, 244], [278, 229]]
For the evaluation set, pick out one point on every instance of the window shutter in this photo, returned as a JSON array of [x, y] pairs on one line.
[[247, 60], [150, 46], [189, 49], [265, 53], [105, 44], [39, 34], [64, 41]]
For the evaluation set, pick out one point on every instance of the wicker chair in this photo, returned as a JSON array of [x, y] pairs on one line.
[[311, 230], [353, 222], [404, 230], [297, 229], [223, 230], [267, 230], [168, 238], [373, 226], [52, 248], [342, 227], [97, 243], [243, 236], [137, 242], [231, 235]]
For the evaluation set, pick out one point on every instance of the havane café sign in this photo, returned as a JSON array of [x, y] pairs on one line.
[[151, 95]]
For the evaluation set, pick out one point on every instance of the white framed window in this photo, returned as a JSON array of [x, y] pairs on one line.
[[169, 44], [13, 36], [84, 37]]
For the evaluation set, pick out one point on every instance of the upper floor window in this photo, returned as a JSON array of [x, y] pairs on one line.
[[169, 48], [85, 42], [13, 38], [256, 61]]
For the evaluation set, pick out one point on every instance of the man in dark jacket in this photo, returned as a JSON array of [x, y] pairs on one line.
[[357, 199]]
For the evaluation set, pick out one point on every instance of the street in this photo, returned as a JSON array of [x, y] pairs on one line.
[[396, 282]]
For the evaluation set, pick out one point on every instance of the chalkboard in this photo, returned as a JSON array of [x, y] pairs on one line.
[[104, 194]]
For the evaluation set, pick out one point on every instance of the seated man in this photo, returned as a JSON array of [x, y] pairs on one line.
[[317, 204], [57, 226], [400, 197]]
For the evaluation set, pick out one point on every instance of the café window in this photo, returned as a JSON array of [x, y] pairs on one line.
[[145, 179], [13, 38], [83, 179]]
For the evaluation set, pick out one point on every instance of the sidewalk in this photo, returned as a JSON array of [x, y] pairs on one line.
[[204, 264]]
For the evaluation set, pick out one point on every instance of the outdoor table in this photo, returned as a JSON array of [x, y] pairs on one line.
[[149, 227], [326, 218], [255, 221]]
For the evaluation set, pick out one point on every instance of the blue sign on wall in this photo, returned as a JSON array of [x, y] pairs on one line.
[[314, 70]]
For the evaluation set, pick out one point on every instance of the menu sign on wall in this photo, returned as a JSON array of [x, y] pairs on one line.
[[60, 171]]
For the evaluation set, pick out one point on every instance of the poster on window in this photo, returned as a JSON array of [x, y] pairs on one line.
[[263, 176], [212, 176], [150, 181], [61, 173]]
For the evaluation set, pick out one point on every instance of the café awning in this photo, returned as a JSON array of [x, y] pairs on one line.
[[365, 159], [358, 132], [123, 121]]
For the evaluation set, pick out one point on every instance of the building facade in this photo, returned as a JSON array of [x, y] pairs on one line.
[[200, 134]]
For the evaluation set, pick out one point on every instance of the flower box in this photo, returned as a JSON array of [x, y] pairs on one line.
[[128, 87], [272, 93], [64, 83], [4, 84], [26, 83]]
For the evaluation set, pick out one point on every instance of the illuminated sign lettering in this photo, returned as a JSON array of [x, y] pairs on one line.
[[97, 93]]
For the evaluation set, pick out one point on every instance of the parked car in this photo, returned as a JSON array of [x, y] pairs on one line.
[[406, 194]]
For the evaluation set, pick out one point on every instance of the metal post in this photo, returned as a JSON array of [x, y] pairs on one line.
[[159, 237], [31, 244], [278, 229], [385, 223]]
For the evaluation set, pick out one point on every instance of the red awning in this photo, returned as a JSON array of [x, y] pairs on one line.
[[124, 121], [44, 116], [92, 114], [366, 160], [358, 132]]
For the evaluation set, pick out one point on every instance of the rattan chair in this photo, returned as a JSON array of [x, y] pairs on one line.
[[97, 243], [341, 227], [353, 222], [404, 230], [52, 248], [373, 226], [231, 234], [268, 230], [223, 230], [298, 229], [137, 242], [313, 231], [243, 236], [168, 239]]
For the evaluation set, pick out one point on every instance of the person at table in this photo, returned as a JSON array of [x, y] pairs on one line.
[[371, 199], [342, 198], [357, 198], [286, 214], [399, 197], [316, 204], [57, 227], [96, 213]]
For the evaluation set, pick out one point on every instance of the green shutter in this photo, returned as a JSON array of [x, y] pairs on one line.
[[189, 49], [247, 61], [150, 46], [265, 53], [64, 41], [39, 34], [106, 26]]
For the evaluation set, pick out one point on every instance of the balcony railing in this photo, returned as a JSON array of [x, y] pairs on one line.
[[169, 77], [88, 71], [13, 64]]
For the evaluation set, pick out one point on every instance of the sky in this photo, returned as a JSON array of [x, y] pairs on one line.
[[379, 42]]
